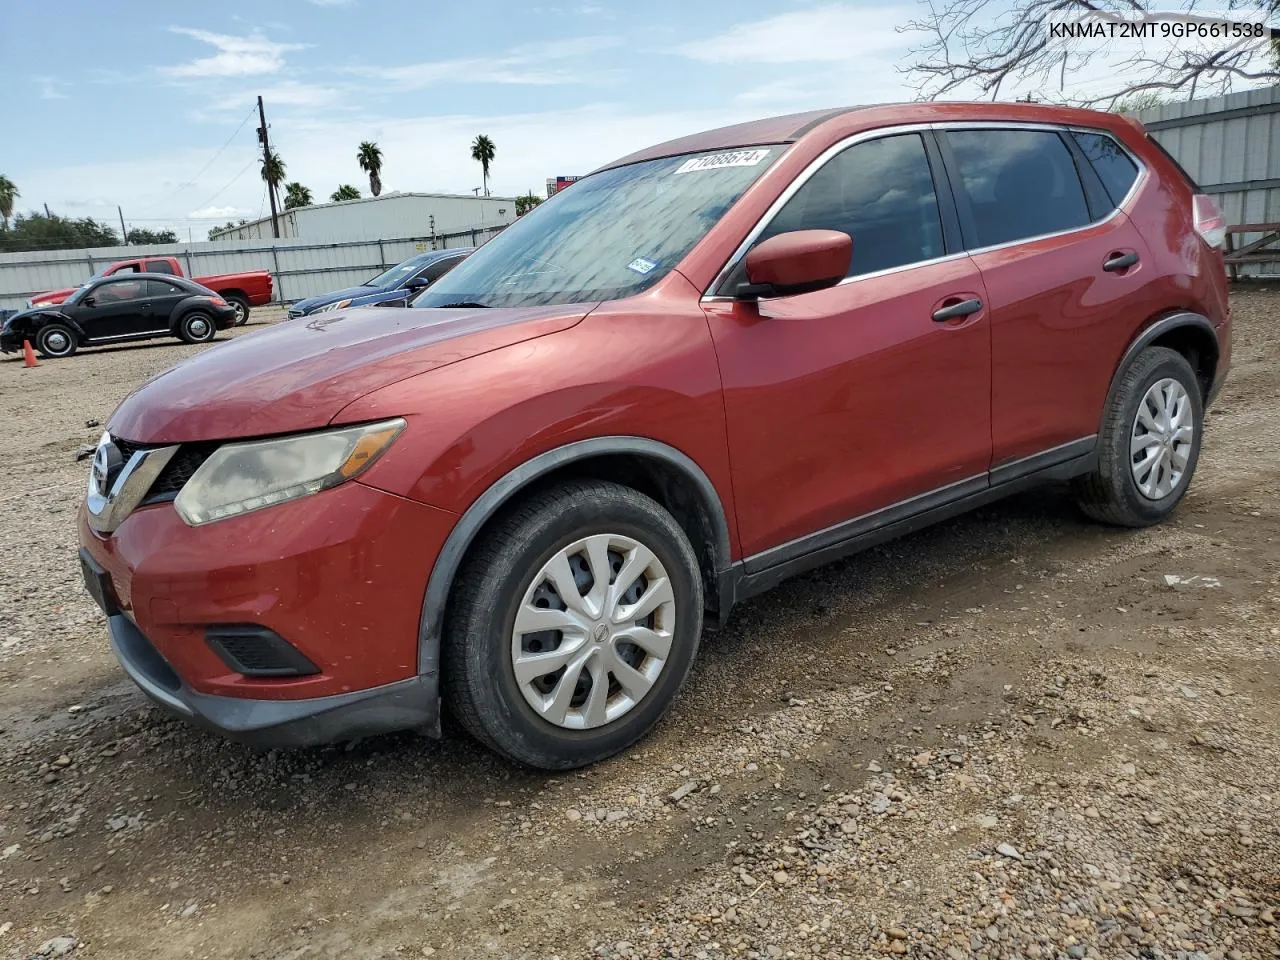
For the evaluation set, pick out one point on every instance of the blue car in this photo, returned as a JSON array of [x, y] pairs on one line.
[[391, 287]]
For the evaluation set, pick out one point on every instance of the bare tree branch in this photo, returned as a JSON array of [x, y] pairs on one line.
[[984, 46]]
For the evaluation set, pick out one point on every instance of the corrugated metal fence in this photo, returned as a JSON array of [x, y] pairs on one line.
[[1231, 146], [300, 269]]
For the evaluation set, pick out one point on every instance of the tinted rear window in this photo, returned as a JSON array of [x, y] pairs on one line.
[[1019, 183], [1113, 166]]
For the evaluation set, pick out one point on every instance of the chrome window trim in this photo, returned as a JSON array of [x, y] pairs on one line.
[[126, 336], [840, 146]]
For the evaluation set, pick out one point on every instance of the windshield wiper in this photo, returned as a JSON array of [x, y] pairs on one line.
[[462, 303]]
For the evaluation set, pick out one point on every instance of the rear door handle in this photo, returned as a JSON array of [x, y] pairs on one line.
[[1120, 261], [962, 309]]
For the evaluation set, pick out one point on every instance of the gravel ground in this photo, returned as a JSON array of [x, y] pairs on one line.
[[1016, 735]]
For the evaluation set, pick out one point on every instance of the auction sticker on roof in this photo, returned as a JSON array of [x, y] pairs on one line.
[[716, 161]]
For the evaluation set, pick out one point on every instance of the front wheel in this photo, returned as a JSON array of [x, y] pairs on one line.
[[1149, 444], [197, 327], [573, 625], [56, 340]]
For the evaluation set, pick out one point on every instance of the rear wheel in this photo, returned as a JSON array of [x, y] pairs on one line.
[[197, 327], [1149, 444], [573, 625], [241, 307], [56, 340]]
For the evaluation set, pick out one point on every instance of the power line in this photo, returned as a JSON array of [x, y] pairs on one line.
[[229, 183], [191, 182]]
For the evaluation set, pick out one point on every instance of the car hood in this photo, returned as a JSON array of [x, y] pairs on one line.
[[297, 375], [349, 293]]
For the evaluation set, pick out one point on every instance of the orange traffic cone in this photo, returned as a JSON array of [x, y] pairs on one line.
[[28, 355]]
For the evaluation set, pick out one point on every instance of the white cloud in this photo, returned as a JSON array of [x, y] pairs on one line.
[[216, 213], [51, 88], [236, 56], [837, 33], [522, 65], [290, 93]]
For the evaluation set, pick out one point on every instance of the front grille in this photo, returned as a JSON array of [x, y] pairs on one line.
[[258, 652], [177, 471], [126, 448]]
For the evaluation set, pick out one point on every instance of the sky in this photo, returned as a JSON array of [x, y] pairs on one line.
[[152, 106]]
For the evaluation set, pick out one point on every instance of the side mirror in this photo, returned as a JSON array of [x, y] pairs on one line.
[[88, 301], [796, 262], [417, 283]]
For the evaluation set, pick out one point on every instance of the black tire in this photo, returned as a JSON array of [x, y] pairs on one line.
[[197, 327], [56, 340], [241, 306], [1110, 494], [480, 686]]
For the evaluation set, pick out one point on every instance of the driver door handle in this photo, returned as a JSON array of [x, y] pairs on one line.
[[962, 309], [1120, 261]]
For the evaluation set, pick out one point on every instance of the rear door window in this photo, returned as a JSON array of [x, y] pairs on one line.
[[881, 193], [1114, 167], [1018, 184]]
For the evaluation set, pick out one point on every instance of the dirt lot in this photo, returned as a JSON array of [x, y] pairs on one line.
[[1016, 735]]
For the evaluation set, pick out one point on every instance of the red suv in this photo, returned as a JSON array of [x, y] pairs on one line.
[[702, 369]]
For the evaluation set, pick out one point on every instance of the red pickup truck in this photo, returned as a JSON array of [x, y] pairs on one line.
[[241, 290]]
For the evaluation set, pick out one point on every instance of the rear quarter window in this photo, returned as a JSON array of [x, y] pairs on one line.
[[1114, 167]]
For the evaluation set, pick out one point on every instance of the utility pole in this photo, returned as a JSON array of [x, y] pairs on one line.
[[124, 234], [46, 212], [266, 159]]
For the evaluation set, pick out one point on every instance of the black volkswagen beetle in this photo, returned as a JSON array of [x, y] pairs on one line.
[[119, 308]]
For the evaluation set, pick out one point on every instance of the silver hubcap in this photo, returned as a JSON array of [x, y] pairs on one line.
[[198, 327], [1163, 432], [241, 311], [593, 631], [56, 342]]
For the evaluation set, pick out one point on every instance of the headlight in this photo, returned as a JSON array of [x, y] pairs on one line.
[[332, 306], [240, 477]]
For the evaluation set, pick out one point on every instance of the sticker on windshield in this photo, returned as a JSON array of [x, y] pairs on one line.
[[717, 161], [641, 265]]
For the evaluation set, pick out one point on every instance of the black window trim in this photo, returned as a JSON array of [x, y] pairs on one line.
[[959, 204], [1096, 197]]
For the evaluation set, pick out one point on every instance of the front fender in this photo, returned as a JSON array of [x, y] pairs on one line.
[[28, 325]]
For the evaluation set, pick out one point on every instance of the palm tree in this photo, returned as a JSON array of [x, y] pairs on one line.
[[273, 174], [8, 193], [369, 156], [345, 192], [526, 203], [296, 195], [482, 151]]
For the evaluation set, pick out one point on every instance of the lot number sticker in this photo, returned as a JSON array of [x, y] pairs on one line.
[[717, 161], [641, 265]]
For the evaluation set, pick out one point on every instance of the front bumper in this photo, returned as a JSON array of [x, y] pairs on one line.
[[405, 704], [339, 576]]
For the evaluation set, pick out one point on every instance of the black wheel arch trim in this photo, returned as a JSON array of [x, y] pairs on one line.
[[440, 582], [1150, 333]]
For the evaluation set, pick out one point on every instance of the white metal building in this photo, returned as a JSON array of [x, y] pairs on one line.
[[386, 217]]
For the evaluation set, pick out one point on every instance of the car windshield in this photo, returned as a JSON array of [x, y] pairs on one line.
[[608, 236], [396, 275]]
